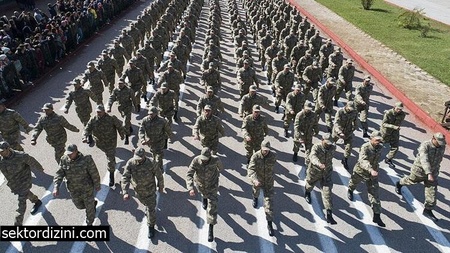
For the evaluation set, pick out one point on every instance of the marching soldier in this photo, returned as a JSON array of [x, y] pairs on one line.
[[426, 169], [144, 175], [325, 102], [254, 129], [54, 125], [366, 169], [81, 97], [97, 80], [83, 180], [248, 101], [246, 77], [124, 96], [283, 85], [104, 128], [119, 53], [294, 104], [320, 169], [261, 175], [10, 122], [345, 81], [208, 129], [204, 170], [312, 76], [362, 103], [137, 81], [210, 99], [16, 168], [390, 130], [109, 67], [166, 101], [305, 126], [343, 128], [335, 61], [174, 79], [211, 78]]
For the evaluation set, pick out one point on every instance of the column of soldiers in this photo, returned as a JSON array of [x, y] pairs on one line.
[[204, 170]]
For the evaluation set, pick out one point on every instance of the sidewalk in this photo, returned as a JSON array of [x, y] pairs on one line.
[[438, 10]]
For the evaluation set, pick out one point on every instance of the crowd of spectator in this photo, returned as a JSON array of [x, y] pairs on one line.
[[32, 41]]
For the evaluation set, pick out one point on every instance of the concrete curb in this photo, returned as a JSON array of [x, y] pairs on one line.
[[412, 107]]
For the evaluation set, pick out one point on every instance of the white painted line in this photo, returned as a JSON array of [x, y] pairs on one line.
[[143, 242], [325, 235], [365, 215], [182, 89], [2, 178], [265, 241], [101, 195], [203, 245], [34, 219], [434, 230]]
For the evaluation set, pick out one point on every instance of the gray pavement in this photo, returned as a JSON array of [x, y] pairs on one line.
[[435, 9]]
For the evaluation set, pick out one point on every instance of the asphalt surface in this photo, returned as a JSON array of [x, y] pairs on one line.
[[435, 9], [181, 222]]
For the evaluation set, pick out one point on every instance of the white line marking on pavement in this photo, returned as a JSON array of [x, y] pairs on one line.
[[265, 241], [34, 219], [434, 230], [2, 178], [203, 245], [374, 232], [325, 235], [143, 242], [100, 197]]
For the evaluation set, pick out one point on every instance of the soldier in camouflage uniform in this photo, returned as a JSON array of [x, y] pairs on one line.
[[211, 78], [270, 54], [325, 102], [426, 169], [283, 85], [16, 168], [249, 100], [137, 83], [127, 42], [208, 60], [150, 54], [81, 97], [305, 126], [210, 99], [54, 125], [362, 103], [303, 63], [82, 180], [289, 43], [343, 128], [335, 61], [254, 129], [110, 67], [319, 170], [261, 175], [137, 36], [298, 52], [154, 132], [144, 175], [390, 130], [208, 129], [124, 96], [295, 101], [147, 70], [345, 81], [278, 64], [246, 77], [265, 42], [312, 76], [315, 42], [324, 53], [174, 79], [366, 169], [176, 64], [10, 122], [104, 128], [204, 170], [166, 100], [245, 57], [239, 53], [97, 82], [119, 53], [182, 53], [157, 44]]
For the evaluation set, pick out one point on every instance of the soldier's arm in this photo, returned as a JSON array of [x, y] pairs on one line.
[[219, 164], [219, 105], [364, 158], [37, 130], [111, 100], [313, 158], [245, 133], [93, 172], [126, 54], [386, 120], [199, 107], [190, 176], [220, 129], [67, 125], [19, 119], [126, 178], [69, 101], [337, 122], [33, 163], [251, 171], [255, 79], [116, 67], [59, 176], [167, 129], [241, 106], [195, 129], [159, 176], [142, 131], [88, 128], [119, 127], [423, 156], [175, 103], [341, 75], [265, 127]]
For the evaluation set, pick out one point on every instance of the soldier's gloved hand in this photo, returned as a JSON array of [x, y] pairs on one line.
[[322, 166], [342, 135], [66, 111], [374, 173], [126, 196], [430, 177], [256, 182], [33, 142], [291, 112], [55, 193], [192, 193]]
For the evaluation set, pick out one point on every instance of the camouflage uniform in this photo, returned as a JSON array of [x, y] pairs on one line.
[[10, 122], [124, 96], [16, 169], [81, 97], [205, 173], [104, 130], [345, 123], [255, 128], [345, 80], [312, 75], [208, 129], [154, 132], [119, 52], [109, 67], [246, 77], [144, 64], [248, 101], [173, 78], [315, 42], [166, 101], [97, 80], [305, 125], [144, 176], [260, 168], [127, 42], [283, 85], [82, 179], [54, 125], [138, 83], [211, 77], [324, 53], [325, 102], [390, 128], [270, 54], [278, 64], [210, 99], [362, 102], [295, 101], [335, 63]]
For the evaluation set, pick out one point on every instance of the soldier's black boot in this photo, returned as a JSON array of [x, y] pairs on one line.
[[211, 233], [90, 139], [165, 143], [429, 214], [277, 109], [255, 202], [329, 129], [345, 163], [350, 195], [270, 228], [36, 207], [377, 220], [295, 157], [111, 179], [248, 161], [335, 103], [286, 133], [365, 134], [127, 141], [144, 96], [389, 162], [330, 218], [151, 231], [205, 204], [131, 129], [308, 196], [175, 116], [398, 188]]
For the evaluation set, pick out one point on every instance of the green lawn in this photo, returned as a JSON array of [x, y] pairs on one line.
[[432, 54]]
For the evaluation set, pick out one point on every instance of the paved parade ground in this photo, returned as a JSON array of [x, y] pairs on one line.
[[181, 221]]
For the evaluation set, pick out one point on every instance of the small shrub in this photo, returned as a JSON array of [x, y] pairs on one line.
[[425, 30], [367, 4], [411, 19]]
